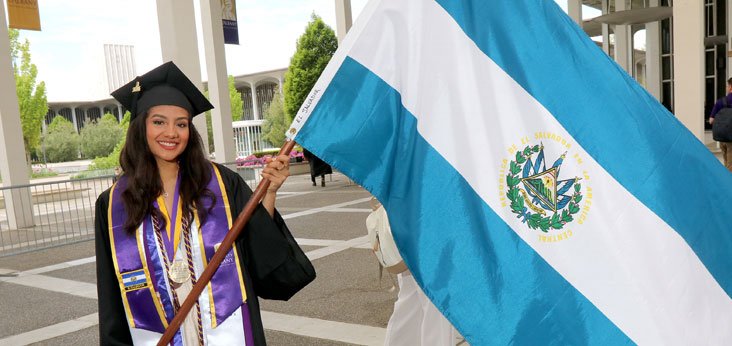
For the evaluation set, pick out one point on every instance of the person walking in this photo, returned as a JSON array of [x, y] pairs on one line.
[[318, 167]]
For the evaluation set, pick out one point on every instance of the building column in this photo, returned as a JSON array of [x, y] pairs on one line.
[[343, 18], [255, 104], [73, 119], [281, 81], [120, 115], [623, 48], [101, 112], [605, 30], [574, 10], [179, 43], [688, 42], [218, 84], [653, 56], [13, 166]]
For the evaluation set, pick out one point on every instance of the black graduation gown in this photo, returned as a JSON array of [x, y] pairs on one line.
[[318, 167], [268, 257]]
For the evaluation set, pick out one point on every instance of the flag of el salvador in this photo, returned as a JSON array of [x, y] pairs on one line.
[[537, 193]]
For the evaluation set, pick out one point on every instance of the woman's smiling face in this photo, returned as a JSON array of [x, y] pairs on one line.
[[167, 132]]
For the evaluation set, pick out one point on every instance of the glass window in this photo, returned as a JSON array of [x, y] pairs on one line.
[[665, 36], [709, 19], [709, 63], [666, 68], [721, 18], [667, 96]]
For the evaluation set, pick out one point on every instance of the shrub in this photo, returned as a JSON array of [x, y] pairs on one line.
[[99, 138], [61, 141]]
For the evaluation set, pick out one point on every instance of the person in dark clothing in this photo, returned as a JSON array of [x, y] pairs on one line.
[[161, 222], [318, 167], [725, 146]]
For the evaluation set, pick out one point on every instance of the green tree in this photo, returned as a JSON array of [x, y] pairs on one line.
[[237, 110], [237, 104], [314, 49], [31, 94], [275, 122], [112, 160], [61, 141], [99, 138]]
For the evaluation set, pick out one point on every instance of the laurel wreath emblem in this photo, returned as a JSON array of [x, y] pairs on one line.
[[518, 207]]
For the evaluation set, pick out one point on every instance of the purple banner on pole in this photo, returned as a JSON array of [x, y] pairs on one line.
[[231, 28], [231, 32]]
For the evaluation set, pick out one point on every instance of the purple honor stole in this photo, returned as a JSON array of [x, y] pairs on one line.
[[226, 289], [145, 292], [143, 308]]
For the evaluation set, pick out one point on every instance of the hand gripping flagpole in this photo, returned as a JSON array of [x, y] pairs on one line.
[[218, 257]]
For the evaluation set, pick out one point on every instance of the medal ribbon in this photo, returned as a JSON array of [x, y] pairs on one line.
[[173, 227], [190, 267]]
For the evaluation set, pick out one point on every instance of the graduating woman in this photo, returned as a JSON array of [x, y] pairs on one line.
[[161, 222]]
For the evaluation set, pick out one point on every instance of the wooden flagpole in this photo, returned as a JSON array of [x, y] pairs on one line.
[[224, 248]]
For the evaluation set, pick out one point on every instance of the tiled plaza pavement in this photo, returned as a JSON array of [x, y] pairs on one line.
[[48, 297]]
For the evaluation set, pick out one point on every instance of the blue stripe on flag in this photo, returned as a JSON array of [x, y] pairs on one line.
[[134, 273], [643, 146], [496, 289], [136, 282]]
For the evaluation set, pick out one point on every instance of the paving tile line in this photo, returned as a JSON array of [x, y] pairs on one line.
[[33, 278], [338, 208], [298, 325], [52, 331], [305, 326], [326, 208]]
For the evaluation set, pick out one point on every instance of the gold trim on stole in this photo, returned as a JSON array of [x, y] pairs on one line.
[[151, 287]]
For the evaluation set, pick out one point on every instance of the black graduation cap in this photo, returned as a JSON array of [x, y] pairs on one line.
[[163, 85]]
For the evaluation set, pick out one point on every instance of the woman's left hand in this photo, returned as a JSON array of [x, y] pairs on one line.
[[276, 171]]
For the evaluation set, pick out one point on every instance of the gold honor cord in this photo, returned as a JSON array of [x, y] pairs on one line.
[[220, 254]]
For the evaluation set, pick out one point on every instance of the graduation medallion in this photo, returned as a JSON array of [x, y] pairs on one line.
[[178, 272]]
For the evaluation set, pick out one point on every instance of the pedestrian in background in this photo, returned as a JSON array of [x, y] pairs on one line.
[[318, 167]]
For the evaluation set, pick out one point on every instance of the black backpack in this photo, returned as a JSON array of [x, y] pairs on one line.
[[722, 126]]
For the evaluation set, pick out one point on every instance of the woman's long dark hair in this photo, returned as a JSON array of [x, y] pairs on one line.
[[144, 184]]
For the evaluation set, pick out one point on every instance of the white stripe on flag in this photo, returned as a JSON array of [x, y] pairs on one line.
[[335, 62], [623, 258]]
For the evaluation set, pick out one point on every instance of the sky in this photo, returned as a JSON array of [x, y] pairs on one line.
[[68, 50]]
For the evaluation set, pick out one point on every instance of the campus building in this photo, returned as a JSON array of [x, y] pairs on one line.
[[257, 91], [676, 49]]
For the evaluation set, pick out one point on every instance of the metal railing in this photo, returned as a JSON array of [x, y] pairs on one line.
[[57, 213]]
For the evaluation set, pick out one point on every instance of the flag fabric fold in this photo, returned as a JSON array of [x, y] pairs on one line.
[[537, 193]]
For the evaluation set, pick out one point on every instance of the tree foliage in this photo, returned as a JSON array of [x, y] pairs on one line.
[[31, 93], [99, 138], [314, 49], [112, 160], [237, 104], [275, 123], [61, 141], [237, 111]]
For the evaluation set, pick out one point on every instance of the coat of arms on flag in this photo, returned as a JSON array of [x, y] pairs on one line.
[[540, 193]]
